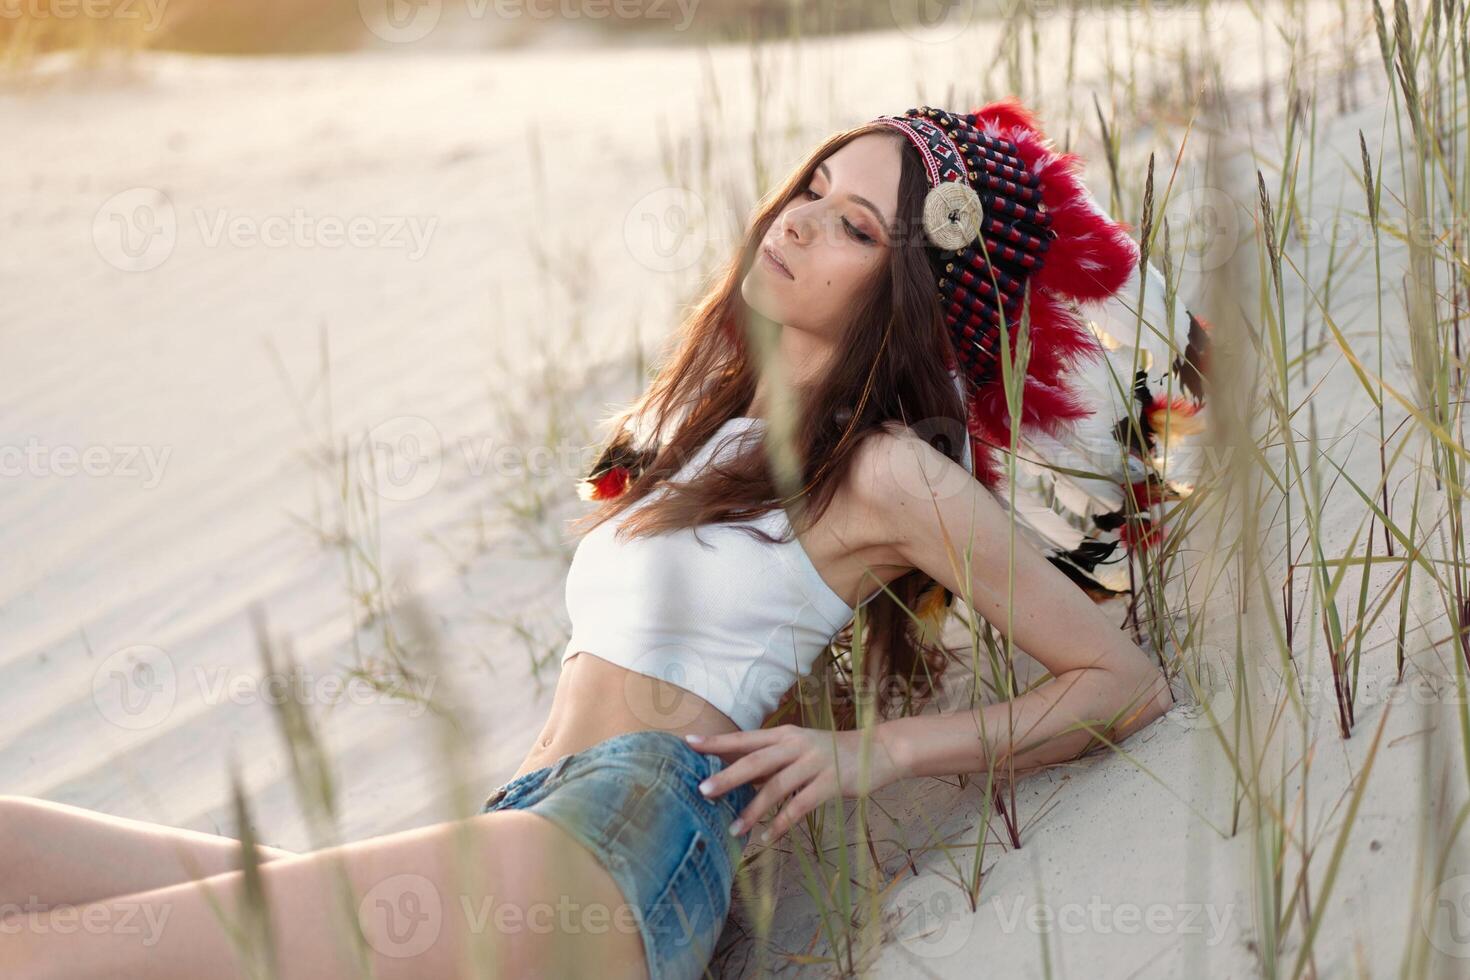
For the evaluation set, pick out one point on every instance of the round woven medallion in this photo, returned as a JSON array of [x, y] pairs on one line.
[[952, 214]]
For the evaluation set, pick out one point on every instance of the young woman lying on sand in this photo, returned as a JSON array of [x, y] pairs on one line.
[[881, 272]]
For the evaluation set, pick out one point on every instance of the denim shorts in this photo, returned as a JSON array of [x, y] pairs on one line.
[[633, 800]]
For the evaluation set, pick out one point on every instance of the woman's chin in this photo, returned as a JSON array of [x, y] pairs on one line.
[[754, 293]]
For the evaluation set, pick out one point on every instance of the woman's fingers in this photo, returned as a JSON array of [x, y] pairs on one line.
[[804, 802], [735, 743], [754, 765], [777, 788]]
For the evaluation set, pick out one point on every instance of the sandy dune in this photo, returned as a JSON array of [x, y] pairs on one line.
[[170, 280]]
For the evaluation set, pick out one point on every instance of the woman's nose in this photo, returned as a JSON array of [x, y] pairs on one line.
[[802, 225]]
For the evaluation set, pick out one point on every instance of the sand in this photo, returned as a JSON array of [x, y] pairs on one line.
[[169, 428]]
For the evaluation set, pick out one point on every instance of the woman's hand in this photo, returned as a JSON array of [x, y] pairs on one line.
[[812, 763]]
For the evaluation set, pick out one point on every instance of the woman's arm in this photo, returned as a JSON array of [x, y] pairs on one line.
[[938, 518], [956, 531], [1031, 729]]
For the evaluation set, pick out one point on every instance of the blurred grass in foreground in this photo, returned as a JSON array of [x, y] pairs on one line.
[[1286, 511]]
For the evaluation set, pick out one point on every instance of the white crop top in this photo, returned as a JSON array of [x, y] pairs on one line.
[[725, 615]]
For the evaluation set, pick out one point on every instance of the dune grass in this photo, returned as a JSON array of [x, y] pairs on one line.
[[1282, 514], [1319, 564]]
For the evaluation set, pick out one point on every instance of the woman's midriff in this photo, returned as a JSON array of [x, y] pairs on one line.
[[596, 699]]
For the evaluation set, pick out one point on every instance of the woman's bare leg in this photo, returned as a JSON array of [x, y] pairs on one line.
[[542, 907], [58, 854]]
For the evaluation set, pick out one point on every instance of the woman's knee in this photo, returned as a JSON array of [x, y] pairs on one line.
[[22, 830], [18, 808], [21, 819]]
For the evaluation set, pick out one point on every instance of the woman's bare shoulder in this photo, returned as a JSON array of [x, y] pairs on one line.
[[892, 450], [896, 467]]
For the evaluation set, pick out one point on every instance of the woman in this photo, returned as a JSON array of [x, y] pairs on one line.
[[881, 268]]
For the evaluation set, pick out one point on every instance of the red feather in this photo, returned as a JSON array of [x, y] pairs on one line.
[[610, 484], [1090, 258], [1153, 535]]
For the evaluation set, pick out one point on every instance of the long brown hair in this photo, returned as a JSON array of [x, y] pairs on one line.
[[893, 365]]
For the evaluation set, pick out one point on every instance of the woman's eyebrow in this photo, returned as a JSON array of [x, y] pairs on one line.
[[882, 221]]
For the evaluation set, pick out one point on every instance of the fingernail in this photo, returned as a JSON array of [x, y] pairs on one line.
[[694, 738], [734, 827], [704, 787], [765, 836]]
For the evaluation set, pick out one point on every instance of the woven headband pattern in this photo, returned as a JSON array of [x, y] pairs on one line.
[[1007, 215], [987, 228]]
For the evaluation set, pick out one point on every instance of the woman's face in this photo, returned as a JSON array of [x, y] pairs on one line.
[[832, 236]]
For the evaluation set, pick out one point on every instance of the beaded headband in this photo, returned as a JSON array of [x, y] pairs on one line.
[[1006, 215], [976, 232]]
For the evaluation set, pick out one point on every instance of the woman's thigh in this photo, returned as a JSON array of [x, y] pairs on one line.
[[54, 853], [501, 894]]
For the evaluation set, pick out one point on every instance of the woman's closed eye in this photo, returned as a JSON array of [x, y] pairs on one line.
[[852, 229]]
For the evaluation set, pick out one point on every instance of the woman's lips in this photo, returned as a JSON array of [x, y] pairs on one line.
[[773, 263]]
